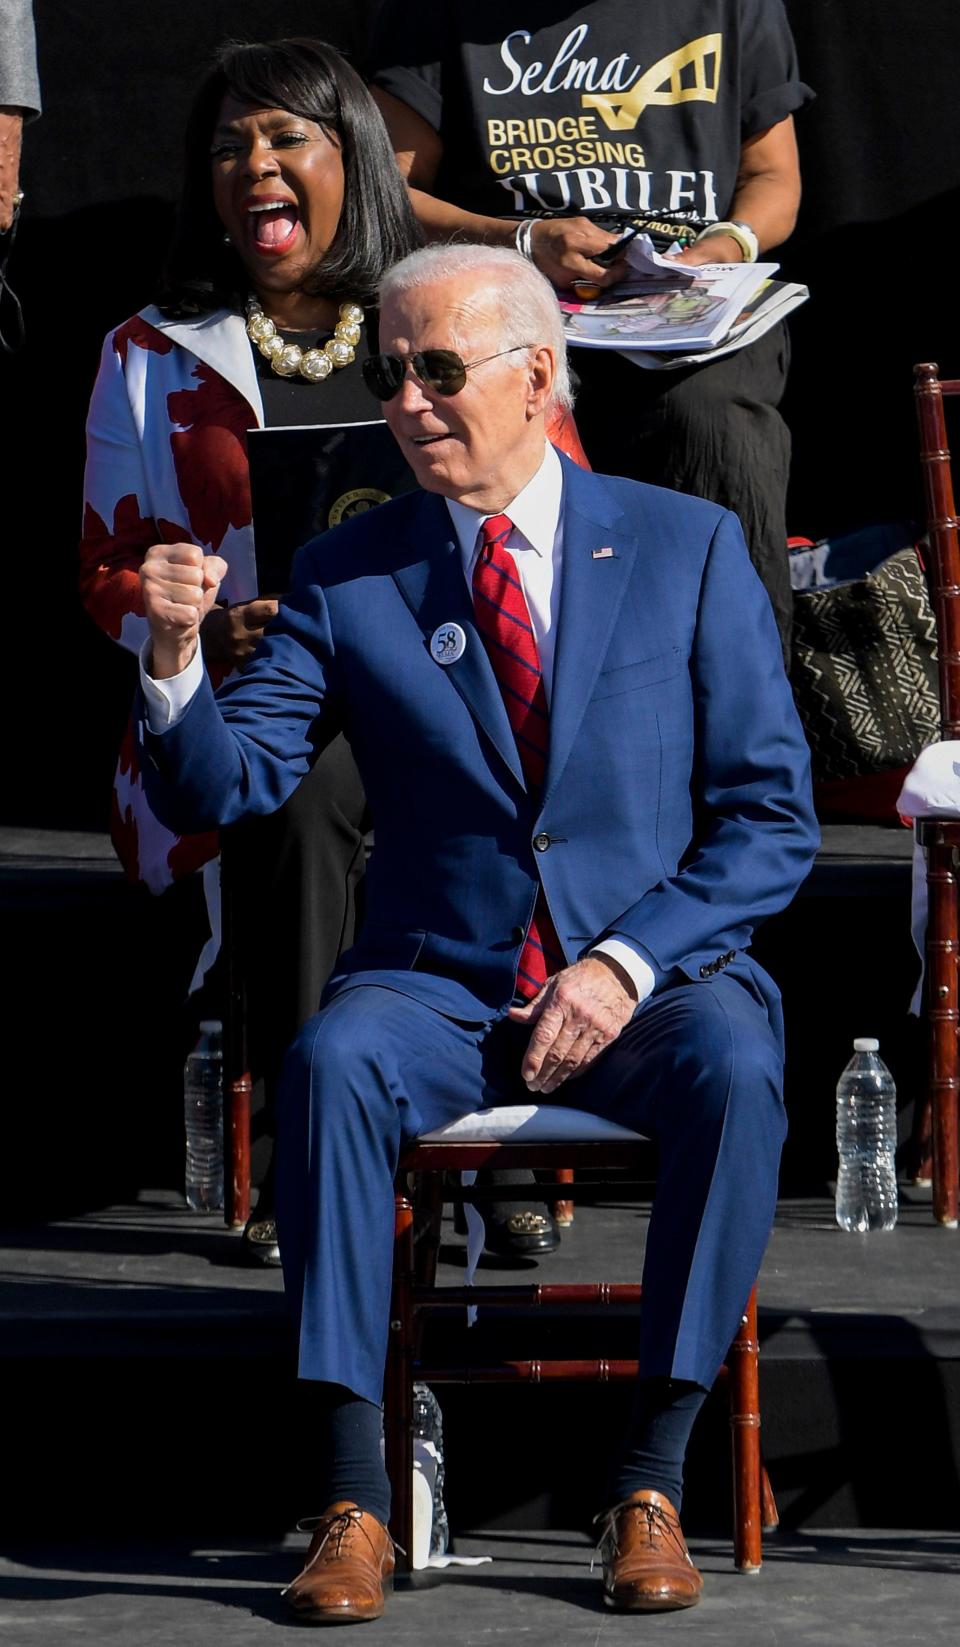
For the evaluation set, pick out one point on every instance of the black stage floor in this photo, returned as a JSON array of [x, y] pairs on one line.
[[894, 1587], [98, 1282], [126, 1332]]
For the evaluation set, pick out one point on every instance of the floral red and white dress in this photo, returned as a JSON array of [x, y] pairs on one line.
[[166, 463]]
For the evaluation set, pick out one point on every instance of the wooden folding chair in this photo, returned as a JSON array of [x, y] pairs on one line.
[[237, 1083], [941, 836], [597, 1145]]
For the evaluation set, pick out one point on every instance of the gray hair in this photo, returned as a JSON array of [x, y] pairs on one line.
[[524, 302]]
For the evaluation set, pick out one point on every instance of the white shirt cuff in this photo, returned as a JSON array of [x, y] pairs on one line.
[[168, 701], [640, 974]]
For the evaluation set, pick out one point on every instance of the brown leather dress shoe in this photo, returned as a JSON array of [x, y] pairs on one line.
[[349, 1560], [646, 1563]]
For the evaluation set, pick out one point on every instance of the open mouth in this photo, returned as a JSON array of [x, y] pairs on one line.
[[273, 226]]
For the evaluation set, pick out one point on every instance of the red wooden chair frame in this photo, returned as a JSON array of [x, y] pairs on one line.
[[941, 837], [237, 1084], [415, 1296]]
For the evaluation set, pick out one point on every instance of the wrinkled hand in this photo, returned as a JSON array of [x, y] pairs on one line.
[[564, 248], [577, 1013], [180, 585], [229, 634]]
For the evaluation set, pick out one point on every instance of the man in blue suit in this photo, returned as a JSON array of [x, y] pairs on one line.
[[565, 696]]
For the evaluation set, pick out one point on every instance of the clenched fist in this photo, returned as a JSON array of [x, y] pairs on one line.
[[180, 585]]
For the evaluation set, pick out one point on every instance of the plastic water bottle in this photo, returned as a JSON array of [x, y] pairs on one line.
[[428, 1427], [203, 1120], [866, 1142]]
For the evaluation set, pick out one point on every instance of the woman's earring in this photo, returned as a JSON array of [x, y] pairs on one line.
[[226, 240]]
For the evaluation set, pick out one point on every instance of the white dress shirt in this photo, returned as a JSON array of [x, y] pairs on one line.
[[536, 544]]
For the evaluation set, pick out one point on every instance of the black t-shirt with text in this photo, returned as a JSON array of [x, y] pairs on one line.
[[615, 106]]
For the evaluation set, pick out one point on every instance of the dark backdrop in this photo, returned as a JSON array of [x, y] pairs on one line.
[[881, 182]]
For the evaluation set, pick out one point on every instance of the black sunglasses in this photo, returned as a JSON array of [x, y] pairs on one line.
[[440, 369]]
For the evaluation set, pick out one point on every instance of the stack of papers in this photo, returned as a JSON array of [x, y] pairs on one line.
[[668, 314]]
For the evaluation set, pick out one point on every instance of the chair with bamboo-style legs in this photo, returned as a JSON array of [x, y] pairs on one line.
[[237, 1083], [941, 836], [422, 1185]]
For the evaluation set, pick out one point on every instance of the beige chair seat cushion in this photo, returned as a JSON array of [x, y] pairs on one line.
[[528, 1124]]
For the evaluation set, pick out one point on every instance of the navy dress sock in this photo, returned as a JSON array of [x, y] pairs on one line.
[[656, 1444], [349, 1432]]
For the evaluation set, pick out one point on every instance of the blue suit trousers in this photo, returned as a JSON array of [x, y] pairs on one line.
[[698, 1069]]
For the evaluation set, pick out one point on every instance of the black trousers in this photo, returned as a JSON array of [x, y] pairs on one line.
[[712, 430]]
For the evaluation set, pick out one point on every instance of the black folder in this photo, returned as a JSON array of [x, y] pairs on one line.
[[305, 480]]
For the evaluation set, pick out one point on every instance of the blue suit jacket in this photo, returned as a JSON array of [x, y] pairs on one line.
[[676, 810]]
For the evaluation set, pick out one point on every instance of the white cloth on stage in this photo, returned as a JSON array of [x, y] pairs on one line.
[[931, 789]]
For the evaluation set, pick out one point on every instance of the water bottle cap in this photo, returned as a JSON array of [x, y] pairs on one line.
[[213, 1026], [866, 1043]]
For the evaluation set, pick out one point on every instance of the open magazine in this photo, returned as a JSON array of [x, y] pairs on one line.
[[772, 303], [692, 314]]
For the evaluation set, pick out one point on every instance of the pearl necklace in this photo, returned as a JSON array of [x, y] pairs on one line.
[[288, 359]]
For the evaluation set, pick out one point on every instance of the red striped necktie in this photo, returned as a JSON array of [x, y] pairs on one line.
[[503, 619]]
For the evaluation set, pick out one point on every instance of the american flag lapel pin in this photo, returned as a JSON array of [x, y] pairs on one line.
[[602, 554]]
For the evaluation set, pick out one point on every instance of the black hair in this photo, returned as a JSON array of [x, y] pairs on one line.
[[377, 226]]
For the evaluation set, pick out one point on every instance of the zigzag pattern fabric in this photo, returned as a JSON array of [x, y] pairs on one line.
[[503, 619], [865, 670]]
